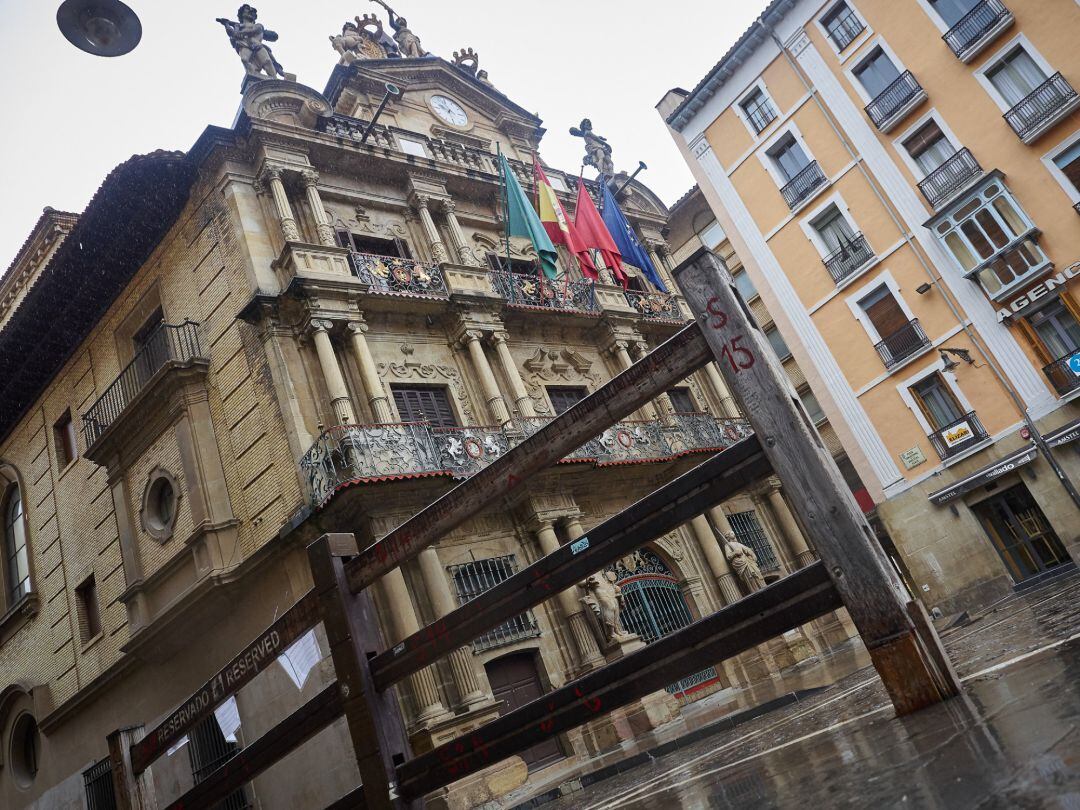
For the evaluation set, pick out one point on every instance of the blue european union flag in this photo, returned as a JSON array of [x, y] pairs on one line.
[[625, 238]]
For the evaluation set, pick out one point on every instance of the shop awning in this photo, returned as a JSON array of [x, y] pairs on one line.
[[1064, 434], [985, 475]]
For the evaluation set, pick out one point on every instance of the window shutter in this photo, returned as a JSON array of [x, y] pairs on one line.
[[424, 404], [1032, 337], [923, 139]]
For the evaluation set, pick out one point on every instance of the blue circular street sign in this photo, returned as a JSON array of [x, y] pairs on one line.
[[1074, 364]]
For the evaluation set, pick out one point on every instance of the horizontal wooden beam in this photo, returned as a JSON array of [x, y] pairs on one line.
[[654, 515], [353, 800], [788, 603], [253, 659], [654, 374], [289, 734]]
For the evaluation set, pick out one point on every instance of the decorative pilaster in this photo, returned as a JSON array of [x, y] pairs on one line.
[[310, 179], [522, 401], [495, 403], [618, 348], [457, 236], [793, 537], [421, 203], [727, 402], [335, 380], [272, 178], [369, 374]]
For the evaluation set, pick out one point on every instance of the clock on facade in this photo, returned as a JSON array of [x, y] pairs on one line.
[[449, 111]]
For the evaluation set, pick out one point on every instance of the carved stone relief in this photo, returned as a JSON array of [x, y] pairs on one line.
[[416, 371], [555, 366]]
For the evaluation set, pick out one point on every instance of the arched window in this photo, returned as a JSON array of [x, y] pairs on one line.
[[16, 553]]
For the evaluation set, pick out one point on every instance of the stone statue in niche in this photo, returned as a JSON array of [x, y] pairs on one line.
[[604, 599], [745, 563], [408, 43], [249, 38], [597, 149]]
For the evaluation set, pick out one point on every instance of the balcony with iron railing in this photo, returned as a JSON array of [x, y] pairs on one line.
[[802, 186], [396, 276], [977, 29], [952, 176], [904, 343], [1062, 376], [894, 102], [1042, 108], [168, 346], [848, 258], [957, 436], [537, 292], [658, 305], [844, 29]]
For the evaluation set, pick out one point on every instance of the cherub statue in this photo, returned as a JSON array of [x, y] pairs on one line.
[[604, 598], [597, 149], [745, 563], [408, 42], [247, 37], [363, 39]]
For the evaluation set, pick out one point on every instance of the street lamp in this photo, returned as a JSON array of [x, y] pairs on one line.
[[99, 27]]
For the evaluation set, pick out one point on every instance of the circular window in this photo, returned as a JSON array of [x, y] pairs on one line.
[[159, 504], [25, 749]]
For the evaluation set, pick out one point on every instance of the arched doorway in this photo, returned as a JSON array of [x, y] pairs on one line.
[[654, 606], [515, 679]]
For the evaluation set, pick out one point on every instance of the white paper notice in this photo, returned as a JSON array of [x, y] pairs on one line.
[[300, 658], [228, 718]]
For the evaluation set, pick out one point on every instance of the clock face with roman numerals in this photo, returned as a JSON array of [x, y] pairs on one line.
[[449, 111]]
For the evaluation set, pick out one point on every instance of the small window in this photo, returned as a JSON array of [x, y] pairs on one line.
[[159, 504], [396, 248], [833, 229], [1069, 164], [523, 267], [937, 401], [410, 147], [813, 407], [789, 157], [633, 281], [424, 403], [713, 235], [557, 182], [1016, 76], [1057, 329], [744, 285], [16, 551], [25, 750], [67, 449], [772, 334], [145, 333], [564, 397], [748, 531], [952, 11], [758, 110], [88, 609], [929, 147], [681, 400], [876, 72], [842, 24]]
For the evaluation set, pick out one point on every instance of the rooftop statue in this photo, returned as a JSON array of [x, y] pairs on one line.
[[597, 149], [247, 37], [364, 39], [467, 60], [408, 42]]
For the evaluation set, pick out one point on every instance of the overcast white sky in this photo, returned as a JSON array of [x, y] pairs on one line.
[[69, 117]]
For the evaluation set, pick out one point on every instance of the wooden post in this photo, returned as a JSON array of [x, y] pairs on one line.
[[352, 628], [903, 645], [132, 792]]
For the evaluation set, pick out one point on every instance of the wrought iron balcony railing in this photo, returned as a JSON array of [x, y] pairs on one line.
[[1041, 107], [902, 344], [958, 436], [967, 35], [661, 306], [950, 177], [844, 29], [1061, 376], [527, 290], [167, 343], [848, 257], [803, 184], [702, 431], [391, 274], [890, 101], [467, 450]]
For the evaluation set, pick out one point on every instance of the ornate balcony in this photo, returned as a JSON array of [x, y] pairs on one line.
[[803, 184], [950, 177], [396, 276], [977, 29], [534, 292], [1063, 378], [895, 101], [848, 258], [905, 342], [958, 436], [658, 305], [168, 345], [703, 431], [467, 450], [1042, 108]]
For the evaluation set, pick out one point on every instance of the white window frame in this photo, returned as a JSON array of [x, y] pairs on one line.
[[935, 18], [712, 235], [995, 59], [905, 156], [865, 50], [561, 187], [401, 145], [1048, 160], [806, 222], [903, 388], [883, 279], [855, 45], [766, 159], [757, 84]]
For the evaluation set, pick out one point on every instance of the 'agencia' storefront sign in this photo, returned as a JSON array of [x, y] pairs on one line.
[[1036, 292]]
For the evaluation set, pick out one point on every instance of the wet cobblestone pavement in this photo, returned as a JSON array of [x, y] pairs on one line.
[[1011, 741]]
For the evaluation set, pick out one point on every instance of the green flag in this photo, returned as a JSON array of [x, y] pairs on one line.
[[523, 221]]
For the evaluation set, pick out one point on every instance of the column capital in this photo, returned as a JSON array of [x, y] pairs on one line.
[[358, 327], [321, 324], [272, 172], [421, 202], [772, 484], [448, 206], [499, 337], [309, 177]]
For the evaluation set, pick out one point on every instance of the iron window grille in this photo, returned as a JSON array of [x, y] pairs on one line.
[[758, 110], [98, 786], [209, 750], [843, 26], [1063, 378], [473, 578], [958, 436], [749, 532]]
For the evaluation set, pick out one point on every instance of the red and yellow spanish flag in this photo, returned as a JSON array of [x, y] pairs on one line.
[[557, 224]]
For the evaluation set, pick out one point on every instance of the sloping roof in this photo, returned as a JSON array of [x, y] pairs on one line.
[[125, 220]]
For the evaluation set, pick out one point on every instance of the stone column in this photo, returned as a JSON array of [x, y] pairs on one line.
[[310, 179], [472, 694], [403, 623], [522, 400], [438, 250], [335, 381], [618, 348], [272, 176], [495, 403], [714, 557], [661, 268], [369, 374], [587, 650], [663, 401], [793, 537], [457, 236], [727, 402]]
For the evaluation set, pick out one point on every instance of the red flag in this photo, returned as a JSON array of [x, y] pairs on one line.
[[594, 234], [557, 224]]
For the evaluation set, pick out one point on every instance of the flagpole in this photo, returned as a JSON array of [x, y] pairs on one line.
[[506, 219]]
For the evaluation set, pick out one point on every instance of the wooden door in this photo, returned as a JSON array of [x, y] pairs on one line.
[[884, 313], [514, 679]]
